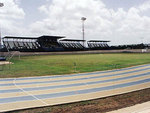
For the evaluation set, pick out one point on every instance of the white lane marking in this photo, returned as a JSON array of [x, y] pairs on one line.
[[14, 82]]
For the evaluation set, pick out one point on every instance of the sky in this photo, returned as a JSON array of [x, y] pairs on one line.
[[120, 21]]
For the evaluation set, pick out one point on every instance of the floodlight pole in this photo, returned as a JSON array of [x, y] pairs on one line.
[[1, 5], [83, 31], [142, 38]]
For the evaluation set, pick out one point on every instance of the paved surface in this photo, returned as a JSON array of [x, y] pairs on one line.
[[139, 108], [21, 93], [4, 62]]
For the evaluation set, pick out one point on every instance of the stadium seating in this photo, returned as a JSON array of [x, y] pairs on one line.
[[97, 44]]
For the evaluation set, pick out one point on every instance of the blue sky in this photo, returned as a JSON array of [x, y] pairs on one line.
[[121, 21], [31, 9]]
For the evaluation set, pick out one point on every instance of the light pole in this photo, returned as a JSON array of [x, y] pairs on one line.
[[83, 19], [1, 5], [142, 40]]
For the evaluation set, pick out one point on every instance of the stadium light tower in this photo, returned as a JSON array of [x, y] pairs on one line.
[[1, 5], [83, 20], [142, 40]]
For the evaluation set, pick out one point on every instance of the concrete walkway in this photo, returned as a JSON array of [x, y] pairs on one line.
[[139, 108], [30, 92]]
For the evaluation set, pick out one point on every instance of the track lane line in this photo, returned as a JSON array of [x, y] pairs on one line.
[[84, 83], [76, 98], [70, 93], [76, 79], [79, 87], [29, 93]]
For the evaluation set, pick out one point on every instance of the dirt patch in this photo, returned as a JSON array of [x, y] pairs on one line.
[[96, 106]]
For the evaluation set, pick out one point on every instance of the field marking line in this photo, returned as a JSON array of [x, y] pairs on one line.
[[14, 82]]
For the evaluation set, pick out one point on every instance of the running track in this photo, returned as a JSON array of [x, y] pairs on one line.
[[22, 93]]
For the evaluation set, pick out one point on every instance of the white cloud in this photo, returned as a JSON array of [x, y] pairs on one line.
[[17, 2], [11, 10], [11, 15], [145, 6], [62, 17]]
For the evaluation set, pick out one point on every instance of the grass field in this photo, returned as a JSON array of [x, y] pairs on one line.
[[67, 64]]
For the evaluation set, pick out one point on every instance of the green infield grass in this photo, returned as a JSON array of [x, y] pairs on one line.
[[68, 64]]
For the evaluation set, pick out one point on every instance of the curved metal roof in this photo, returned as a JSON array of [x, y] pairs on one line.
[[44, 36], [73, 40], [12, 37], [98, 41]]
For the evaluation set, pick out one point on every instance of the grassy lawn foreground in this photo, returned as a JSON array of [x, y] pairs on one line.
[[67, 64]]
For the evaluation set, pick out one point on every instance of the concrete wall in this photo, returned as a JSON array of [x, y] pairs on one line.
[[77, 52]]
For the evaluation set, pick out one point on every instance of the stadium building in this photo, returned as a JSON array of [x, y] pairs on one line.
[[50, 43]]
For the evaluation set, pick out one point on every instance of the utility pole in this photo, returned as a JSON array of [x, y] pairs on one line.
[[83, 34]]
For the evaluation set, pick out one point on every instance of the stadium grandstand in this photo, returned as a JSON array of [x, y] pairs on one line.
[[72, 45], [43, 43], [50, 43], [97, 44], [20, 43]]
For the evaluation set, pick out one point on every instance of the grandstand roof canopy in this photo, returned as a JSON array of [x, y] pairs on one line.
[[52, 37], [12, 37], [98, 41], [44, 36], [73, 40]]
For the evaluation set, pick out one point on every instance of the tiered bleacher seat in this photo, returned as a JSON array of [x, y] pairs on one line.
[[97, 44], [71, 45]]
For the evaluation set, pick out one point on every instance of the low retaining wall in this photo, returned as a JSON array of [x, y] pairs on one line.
[[79, 52]]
